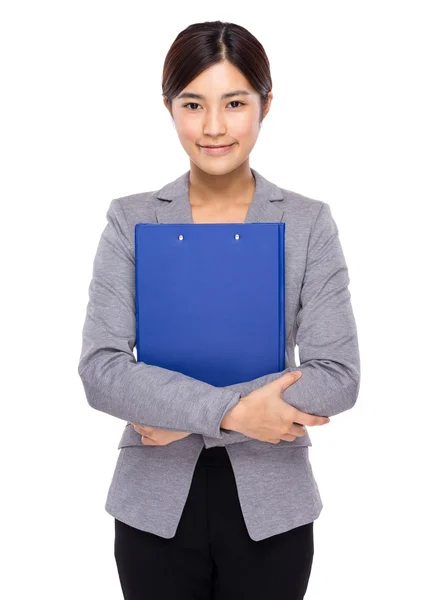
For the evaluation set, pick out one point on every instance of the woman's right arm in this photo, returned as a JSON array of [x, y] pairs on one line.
[[114, 382]]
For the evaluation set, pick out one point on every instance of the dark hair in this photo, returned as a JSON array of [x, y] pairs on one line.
[[201, 45]]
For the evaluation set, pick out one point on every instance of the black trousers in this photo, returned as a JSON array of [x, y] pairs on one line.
[[212, 556]]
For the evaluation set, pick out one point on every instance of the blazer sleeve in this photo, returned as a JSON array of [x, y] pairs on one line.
[[114, 382], [326, 334]]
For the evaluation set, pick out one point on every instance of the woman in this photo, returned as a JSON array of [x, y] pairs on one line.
[[219, 502]]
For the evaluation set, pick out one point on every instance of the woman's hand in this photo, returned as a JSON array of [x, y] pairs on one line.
[[265, 416], [158, 437]]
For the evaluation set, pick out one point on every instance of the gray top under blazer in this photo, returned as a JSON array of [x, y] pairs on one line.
[[275, 482]]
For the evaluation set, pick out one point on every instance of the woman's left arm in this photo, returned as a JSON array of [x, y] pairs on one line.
[[326, 334]]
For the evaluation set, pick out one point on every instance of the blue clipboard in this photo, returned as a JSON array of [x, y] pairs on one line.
[[210, 299]]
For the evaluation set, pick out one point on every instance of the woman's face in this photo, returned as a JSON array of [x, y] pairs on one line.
[[216, 120]]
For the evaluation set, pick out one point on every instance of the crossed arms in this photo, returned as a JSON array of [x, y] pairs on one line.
[[115, 383]]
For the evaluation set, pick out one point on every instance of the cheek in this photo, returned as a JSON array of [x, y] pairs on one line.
[[245, 127], [188, 130]]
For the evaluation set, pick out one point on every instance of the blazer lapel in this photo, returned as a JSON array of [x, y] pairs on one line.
[[174, 204]]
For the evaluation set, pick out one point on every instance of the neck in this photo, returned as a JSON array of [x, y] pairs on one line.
[[236, 187]]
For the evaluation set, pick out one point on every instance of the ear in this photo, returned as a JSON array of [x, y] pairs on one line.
[[268, 104], [167, 104]]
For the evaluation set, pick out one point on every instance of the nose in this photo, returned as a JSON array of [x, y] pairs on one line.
[[214, 124]]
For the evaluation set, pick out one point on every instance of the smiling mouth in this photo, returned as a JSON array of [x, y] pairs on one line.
[[223, 146]]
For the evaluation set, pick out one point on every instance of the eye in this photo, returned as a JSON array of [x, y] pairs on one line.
[[196, 104], [241, 103], [190, 104]]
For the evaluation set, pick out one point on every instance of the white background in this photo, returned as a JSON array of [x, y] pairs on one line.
[[351, 124]]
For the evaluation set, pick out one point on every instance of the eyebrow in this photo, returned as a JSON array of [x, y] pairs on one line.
[[201, 97]]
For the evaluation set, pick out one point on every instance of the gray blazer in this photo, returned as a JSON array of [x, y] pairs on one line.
[[275, 482]]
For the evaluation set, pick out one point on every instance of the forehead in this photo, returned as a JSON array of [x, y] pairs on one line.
[[219, 81]]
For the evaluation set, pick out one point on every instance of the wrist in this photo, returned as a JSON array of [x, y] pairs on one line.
[[233, 418]]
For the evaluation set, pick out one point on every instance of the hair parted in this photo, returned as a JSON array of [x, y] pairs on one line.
[[202, 45]]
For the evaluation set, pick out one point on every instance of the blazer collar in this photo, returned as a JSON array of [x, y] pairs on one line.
[[174, 205]]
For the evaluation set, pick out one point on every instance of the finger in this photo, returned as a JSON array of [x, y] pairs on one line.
[[308, 419], [148, 441], [297, 430], [288, 379], [288, 438], [143, 429]]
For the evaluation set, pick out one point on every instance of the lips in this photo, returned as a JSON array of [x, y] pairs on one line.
[[216, 150]]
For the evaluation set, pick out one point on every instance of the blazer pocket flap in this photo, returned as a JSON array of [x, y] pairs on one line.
[[299, 441], [130, 437]]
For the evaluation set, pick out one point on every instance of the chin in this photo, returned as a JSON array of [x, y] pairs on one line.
[[217, 169]]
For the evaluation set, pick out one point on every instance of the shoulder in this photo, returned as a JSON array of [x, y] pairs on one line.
[[303, 207], [308, 219], [125, 211], [305, 216], [141, 205]]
